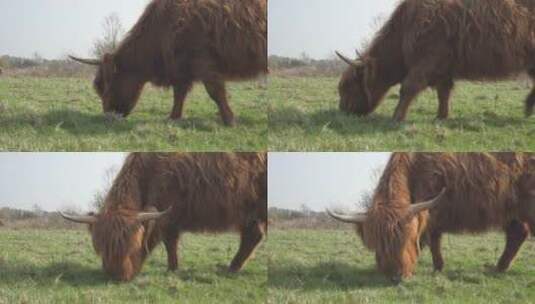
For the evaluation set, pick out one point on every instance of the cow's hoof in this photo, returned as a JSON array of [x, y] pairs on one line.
[[230, 123], [500, 269], [175, 119], [396, 280], [233, 269], [111, 117]]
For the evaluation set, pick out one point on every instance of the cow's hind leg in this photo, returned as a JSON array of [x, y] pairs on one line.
[[530, 101], [516, 233], [438, 261], [171, 246], [413, 84], [444, 92], [217, 91], [180, 92], [251, 236]]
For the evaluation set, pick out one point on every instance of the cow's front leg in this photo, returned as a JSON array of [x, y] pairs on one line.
[[217, 91], [444, 94], [171, 246], [413, 84], [436, 253], [180, 92]]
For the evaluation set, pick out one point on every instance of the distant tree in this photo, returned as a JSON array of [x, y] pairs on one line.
[[37, 58], [305, 57], [375, 26], [100, 195], [112, 33], [305, 210], [378, 22], [367, 196], [37, 210]]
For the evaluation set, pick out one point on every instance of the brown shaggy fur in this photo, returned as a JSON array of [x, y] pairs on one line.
[[208, 192], [178, 42], [483, 191], [433, 42]]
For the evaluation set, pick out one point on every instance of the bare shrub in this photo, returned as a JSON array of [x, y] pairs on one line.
[[112, 33], [100, 195], [304, 219], [37, 219], [305, 67]]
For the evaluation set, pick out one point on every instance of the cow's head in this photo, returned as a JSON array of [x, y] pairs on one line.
[[360, 89], [393, 234], [120, 238], [118, 88]]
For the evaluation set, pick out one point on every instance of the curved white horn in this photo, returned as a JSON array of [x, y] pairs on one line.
[[96, 62], [147, 216], [356, 218], [81, 219], [355, 63], [418, 207]]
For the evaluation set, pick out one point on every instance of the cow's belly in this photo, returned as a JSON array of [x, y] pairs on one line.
[[471, 220]]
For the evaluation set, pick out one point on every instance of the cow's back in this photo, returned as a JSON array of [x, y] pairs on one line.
[[208, 191], [484, 39], [480, 186]]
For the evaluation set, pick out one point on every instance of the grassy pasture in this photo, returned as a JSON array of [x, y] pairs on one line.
[[332, 266], [304, 116], [65, 114], [59, 266]]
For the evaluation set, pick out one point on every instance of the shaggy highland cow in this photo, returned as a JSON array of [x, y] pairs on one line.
[[431, 43], [157, 197], [465, 192], [178, 42]]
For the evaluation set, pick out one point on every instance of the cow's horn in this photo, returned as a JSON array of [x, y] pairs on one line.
[[415, 208], [147, 216], [355, 63], [356, 218], [81, 219], [96, 62]]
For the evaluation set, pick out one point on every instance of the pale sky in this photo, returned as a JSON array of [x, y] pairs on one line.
[[58, 180], [53, 180], [321, 180], [319, 27], [54, 28]]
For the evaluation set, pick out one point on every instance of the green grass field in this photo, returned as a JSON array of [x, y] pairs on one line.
[[321, 266], [61, 267], [54, 114], [304, 116]]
